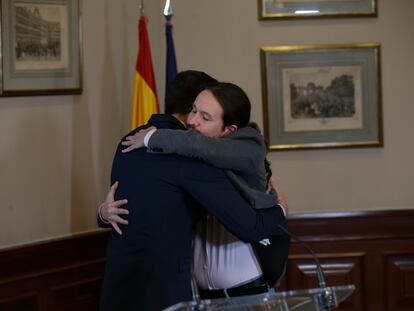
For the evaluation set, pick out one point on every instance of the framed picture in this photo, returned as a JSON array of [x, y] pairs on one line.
[[40, 47], [276, 9], [322, 96]]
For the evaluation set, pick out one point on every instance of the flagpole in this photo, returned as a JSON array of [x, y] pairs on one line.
[[171, 64], [141, 8], [168, 11]]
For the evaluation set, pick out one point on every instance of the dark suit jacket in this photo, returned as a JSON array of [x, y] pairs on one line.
[[149, 266]]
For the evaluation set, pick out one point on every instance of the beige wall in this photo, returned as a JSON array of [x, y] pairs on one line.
[[56, 151]]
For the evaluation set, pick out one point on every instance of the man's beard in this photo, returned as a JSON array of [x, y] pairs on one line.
[[191, 128]]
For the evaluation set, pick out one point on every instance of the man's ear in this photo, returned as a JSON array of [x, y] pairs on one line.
[[228, 129]]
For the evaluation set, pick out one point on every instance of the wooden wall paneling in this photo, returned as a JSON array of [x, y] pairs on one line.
[[74, 287], [362, 225], [371, 233], [372, 250], [399, 285], [338, 268], [79, 296], [64, 274], [25, 302]]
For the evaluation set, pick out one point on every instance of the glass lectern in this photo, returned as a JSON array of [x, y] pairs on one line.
[[315, 299]]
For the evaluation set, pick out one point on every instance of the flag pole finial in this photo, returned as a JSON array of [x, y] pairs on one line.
[[141, 8], [168, 11]]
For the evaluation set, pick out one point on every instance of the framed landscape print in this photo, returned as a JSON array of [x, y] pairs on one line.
[[322, 96], [277, 9], [40, 47]]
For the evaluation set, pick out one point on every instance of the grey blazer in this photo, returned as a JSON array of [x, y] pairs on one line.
[[241, 154]]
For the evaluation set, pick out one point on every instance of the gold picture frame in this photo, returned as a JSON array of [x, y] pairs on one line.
[[322, 96], [286, 9]]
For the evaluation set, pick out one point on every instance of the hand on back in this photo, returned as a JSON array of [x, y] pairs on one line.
[[137, 140], [280, 195], [110, 210]]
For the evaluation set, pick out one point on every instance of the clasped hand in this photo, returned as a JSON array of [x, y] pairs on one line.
[[137, 140]]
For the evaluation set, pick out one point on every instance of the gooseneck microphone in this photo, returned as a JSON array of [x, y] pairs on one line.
[[326, 298], [194, 291], [319, 272]]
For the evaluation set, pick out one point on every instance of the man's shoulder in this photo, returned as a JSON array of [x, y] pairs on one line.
[[165, 121], [248, 133], [160, 121]]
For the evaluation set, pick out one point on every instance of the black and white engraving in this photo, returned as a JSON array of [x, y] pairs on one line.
[[37, 38], [40, 36], [337, 100]]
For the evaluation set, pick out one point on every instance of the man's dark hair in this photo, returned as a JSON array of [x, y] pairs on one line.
[[234, 101], [183, 90]]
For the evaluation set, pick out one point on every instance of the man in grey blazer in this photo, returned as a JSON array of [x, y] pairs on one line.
[[221, 114]]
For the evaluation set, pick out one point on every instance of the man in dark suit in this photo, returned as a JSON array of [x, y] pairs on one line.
[[149, 266]]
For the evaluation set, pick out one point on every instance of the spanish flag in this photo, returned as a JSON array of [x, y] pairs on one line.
[[144, 101]]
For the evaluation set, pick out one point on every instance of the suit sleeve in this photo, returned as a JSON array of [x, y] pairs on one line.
[[240, 154], [212, 189]]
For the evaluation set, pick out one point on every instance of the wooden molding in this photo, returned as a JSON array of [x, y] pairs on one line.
[[353, 225]]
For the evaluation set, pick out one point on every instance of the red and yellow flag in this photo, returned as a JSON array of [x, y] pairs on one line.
[[144, 101]]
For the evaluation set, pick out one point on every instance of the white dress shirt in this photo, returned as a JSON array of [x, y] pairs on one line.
[[221, 260]]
